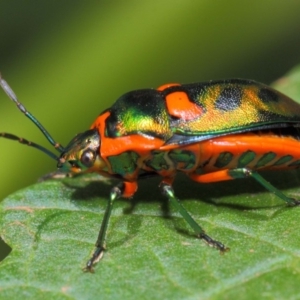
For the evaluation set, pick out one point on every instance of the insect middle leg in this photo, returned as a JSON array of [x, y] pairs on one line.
[[169, 192], [230, 174]]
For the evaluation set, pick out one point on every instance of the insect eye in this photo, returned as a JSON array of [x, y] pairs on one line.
[[88, 158]]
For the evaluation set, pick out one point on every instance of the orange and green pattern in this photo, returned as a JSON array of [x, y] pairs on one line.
[[211, 131]]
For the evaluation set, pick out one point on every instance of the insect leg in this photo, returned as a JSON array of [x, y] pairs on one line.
[[169, 192], [244, 172], [125, 189], [100, 244], [228, 174]]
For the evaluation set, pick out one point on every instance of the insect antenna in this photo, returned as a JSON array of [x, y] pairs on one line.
[[28, 143], [10, 93]]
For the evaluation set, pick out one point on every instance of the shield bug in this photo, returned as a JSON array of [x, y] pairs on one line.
[[211, 131]]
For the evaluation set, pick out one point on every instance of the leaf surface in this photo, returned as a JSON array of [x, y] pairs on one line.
[[151, 252]]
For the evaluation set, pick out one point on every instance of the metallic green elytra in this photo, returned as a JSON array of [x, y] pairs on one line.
[[222, 107]]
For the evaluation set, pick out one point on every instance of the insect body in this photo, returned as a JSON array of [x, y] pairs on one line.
[[213, 131]]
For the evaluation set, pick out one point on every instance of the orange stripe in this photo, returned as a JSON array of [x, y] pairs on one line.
[[240, 143], [211, 177], [237, 144], [167, 85], [140, 144]]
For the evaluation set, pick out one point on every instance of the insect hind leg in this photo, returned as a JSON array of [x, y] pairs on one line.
[[244, 172], [230, 174]]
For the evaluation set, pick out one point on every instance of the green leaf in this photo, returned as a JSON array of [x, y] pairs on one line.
[[151, 252]]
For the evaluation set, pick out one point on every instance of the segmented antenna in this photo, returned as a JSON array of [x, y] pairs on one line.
[[28, 143], [10, 93]]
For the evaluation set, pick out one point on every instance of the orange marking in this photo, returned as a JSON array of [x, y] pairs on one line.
[[211, 177], [240, 143], [129, 189], [260, 144], [167, 180], [168, 147], [140, 144], [167, 85], [180, 106]]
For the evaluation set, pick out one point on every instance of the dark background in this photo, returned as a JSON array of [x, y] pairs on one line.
[[69, 60]]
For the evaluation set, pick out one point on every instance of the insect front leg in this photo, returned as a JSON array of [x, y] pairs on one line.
[[169, 192], [125, 189]]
